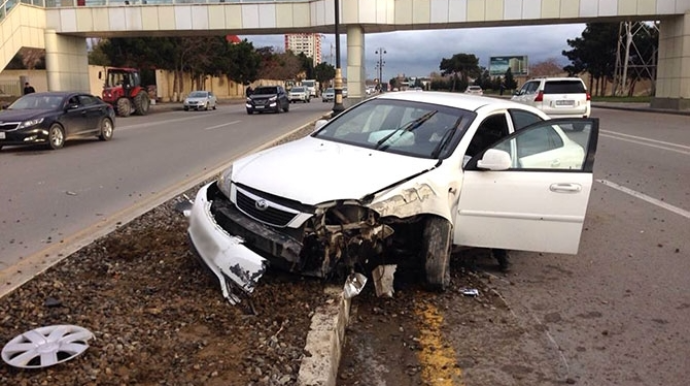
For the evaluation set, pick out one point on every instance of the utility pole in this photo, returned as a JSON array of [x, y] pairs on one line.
[[338, 106], [379, 66]]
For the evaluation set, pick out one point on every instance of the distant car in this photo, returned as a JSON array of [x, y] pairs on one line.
[[328, 95], [474, 90], [557, 97], [400, 178], [299, 94], [53, 117], [268, 98], [369, 90], [344, 92], [199, 100]]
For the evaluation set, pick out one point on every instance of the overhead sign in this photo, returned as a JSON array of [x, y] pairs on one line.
[[498, 65]]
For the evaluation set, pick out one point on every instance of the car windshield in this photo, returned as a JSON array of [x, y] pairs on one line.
[[37, 102], [403, 127], [330, 91], [266, 90], [198, 94], [297, 89], [474, 88]]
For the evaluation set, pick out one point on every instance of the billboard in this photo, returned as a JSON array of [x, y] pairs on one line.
[[498, 65]]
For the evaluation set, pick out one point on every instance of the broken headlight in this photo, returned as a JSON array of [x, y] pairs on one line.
[[224, 181]]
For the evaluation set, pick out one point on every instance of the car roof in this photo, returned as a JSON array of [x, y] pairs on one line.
[[58, 93], [558, 79], [457, 100]]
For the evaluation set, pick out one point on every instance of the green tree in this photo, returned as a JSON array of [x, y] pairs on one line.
[[324, 73], [394, 83], [243, 62], [466, 65], [595, 53], [509, 80]]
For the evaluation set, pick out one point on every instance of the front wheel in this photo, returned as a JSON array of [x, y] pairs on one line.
[[142, 103], [206, 108], [56, 136], [250, 112], [286, 108], [436, 247], [106, 130], [124, 107]]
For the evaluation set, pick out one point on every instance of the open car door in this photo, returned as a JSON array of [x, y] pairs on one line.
[[530, 190]]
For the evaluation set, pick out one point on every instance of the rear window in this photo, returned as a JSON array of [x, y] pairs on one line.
[[564, 87]]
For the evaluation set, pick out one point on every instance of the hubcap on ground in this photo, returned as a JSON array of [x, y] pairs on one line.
[[46, 346]]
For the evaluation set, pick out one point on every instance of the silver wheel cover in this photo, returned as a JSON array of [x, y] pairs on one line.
[[46, 346]]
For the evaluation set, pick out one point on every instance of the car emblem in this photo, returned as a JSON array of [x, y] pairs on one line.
[[261, 205]]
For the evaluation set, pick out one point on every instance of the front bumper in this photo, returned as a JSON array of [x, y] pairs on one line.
[[223, 253], [25, 136]]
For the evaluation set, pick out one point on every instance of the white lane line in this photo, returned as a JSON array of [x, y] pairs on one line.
[[223, 125], [647, 144], [645, 139], [644, 197], [155, 123]]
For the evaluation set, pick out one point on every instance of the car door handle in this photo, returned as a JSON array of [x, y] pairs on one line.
[[566, 188]]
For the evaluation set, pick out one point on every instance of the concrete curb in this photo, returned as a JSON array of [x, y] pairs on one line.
[[325, 341], [639, 109]]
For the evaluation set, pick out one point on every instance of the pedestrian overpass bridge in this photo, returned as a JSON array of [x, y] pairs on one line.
[[62, 26]]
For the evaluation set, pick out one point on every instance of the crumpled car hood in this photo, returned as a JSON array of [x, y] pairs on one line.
[[313, 171]]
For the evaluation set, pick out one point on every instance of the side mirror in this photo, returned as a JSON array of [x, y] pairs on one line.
[[495, 159], [100, 75], [320, 123]]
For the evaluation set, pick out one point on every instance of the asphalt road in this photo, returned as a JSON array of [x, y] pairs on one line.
[[48, 196], [614, 314]]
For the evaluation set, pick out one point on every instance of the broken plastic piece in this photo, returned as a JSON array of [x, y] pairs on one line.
[[383, 279], [470, 292], [354, 285]]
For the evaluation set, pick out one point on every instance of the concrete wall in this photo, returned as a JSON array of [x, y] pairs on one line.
[[673, 72], [23, 26]]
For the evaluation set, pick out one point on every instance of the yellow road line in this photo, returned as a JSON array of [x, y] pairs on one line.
[[438, 360]]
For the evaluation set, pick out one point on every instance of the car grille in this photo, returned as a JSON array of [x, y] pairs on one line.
[[8, 126], [270, 215]]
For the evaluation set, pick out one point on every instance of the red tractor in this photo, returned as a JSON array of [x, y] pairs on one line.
[[123, 90]]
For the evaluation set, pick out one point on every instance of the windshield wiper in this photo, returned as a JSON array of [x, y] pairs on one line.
[[406, 127], [446, 139]]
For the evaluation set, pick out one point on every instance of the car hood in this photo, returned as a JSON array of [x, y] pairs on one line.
[[262, 96], [313, 171], [23, 115]]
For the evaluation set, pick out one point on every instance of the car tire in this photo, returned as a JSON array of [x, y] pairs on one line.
[[142, 103], [436, 246], [206, 108], [56, 136], [250, 112], [214, 106], [106, 130], [124, 107], [186, 108], [286, 108]]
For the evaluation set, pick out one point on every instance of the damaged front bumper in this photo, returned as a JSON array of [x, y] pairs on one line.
[[235, 265]]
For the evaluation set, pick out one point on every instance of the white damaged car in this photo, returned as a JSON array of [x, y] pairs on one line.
[[400, 177]]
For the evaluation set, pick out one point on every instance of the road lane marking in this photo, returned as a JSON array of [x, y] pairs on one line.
[[644, 197], [156, 123], [438, 359], [223, 125], [668, 146]]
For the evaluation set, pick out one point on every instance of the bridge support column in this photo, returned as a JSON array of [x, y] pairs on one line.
[[673, 69], [67, 63], [356, 72]]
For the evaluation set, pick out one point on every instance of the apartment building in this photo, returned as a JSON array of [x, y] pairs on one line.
[[308, 43]]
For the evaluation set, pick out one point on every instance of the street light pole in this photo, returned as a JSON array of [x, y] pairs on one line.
[[338, 86], [379, 65]]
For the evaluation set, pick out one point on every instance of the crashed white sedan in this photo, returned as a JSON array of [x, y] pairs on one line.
[[400, 177]]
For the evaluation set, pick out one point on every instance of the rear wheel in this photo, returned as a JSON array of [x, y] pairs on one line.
[[436, 247], [286, 108], [124, 107], [142, 103], [56, 136], [106, 130], [206, 108]]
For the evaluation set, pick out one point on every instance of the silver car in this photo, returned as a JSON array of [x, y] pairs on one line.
[[200, 100], [328, 95], [299, 94]]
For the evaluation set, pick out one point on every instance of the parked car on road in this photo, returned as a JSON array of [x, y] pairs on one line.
[[328, 95], [557, 97], [476, 90], [268, 98], [200, 100], [299, 94], [53, 117], [399, 178]]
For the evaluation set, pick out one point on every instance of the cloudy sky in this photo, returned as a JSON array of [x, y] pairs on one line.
[[418, 53]]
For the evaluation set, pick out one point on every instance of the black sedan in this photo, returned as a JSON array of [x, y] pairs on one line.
[[268, 98], [53, 117]]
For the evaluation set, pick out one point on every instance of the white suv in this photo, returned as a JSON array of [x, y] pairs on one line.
[[557, 97]]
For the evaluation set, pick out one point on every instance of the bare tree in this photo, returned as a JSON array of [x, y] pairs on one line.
[[548, 67]]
